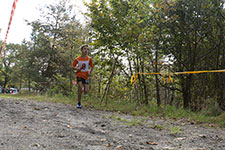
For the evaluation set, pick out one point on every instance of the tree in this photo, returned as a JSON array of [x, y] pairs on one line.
[[8, 64], [55, 42], [189, 41]]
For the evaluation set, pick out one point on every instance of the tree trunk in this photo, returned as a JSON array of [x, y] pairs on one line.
[[156, 68], [29, 86], [221, 78], [144, 84], [220, 95], [109, 82], [136, 88], [186, 90], [99, 84], [156, 79], [172, 97]]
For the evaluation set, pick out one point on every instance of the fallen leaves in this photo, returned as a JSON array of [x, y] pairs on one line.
[[107, 145], [211, 125], [151, 143]]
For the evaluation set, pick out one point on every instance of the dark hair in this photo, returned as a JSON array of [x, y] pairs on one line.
[[83, 46]]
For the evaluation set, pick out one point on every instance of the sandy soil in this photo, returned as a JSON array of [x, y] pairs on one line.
[[31, 125]]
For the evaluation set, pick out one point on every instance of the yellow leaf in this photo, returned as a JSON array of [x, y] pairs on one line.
[[151, 143], [107, 145]]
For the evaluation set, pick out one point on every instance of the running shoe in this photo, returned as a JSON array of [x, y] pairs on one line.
[[79, 106]]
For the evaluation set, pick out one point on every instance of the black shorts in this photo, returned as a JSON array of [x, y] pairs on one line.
[[84, 81]]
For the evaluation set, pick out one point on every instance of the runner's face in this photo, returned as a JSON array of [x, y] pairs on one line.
[[85, 50]]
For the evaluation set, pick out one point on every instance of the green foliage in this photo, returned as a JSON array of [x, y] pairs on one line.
[[221, 120], [9, 68], [214, 109], [132, 122], [159, 127], [55, 42], [175, 130], [60, 86]]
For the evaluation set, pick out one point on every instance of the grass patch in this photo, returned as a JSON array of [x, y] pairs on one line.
[[38, 97], [175, 130], [133, 122], [151, 110], [158, 127]]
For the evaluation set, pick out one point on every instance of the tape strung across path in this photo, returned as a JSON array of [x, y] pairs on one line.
[[10, 21], [133, 79]]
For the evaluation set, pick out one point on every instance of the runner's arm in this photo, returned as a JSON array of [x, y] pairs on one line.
[[75, 66]]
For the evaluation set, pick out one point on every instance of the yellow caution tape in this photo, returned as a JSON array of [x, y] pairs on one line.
[[134, 76], [164, 80], [170, 78]]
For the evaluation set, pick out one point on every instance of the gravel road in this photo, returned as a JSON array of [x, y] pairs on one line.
[[31, 125]]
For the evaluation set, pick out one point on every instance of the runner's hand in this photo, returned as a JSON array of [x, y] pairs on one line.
[[76, 69]]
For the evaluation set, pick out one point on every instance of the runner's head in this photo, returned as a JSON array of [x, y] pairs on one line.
[[84, 50]]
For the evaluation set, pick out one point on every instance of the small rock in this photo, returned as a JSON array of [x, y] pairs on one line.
[[202, 136], [180, 138], [119, 147], [168, 148], [103, 132], [35, 145], [61, 136], [103, 125]]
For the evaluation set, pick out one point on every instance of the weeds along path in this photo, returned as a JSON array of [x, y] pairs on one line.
[[27, 125]]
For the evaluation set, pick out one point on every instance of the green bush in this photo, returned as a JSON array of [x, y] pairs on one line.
[[60, 85]]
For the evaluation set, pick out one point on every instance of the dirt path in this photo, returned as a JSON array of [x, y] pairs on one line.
[[30, 125]]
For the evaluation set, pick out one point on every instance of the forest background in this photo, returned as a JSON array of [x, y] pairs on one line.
[[127, 37]]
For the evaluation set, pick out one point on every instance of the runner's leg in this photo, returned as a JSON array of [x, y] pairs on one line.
[[86, 87], [80, 88]]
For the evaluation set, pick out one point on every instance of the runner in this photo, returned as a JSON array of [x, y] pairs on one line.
[[81, 65]]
